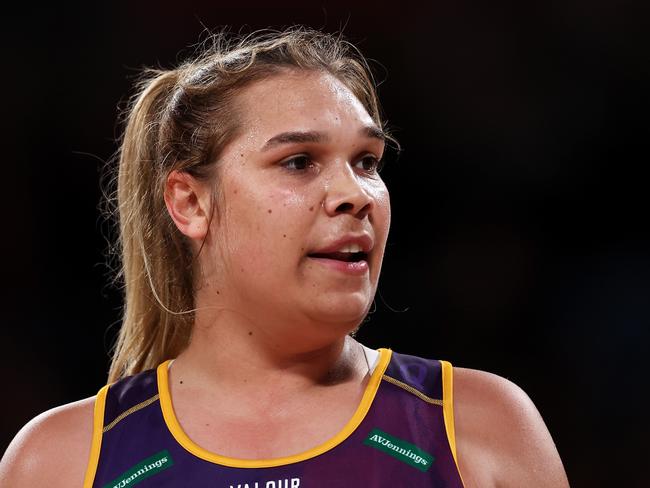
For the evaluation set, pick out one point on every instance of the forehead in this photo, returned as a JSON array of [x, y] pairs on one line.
[[296, 100]]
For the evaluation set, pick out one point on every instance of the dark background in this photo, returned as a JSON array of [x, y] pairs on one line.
[[520, 241]]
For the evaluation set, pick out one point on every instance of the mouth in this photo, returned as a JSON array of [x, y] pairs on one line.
[[347, 257]]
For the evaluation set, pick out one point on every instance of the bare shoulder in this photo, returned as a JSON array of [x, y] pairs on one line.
[[501, 437], [52, 449]]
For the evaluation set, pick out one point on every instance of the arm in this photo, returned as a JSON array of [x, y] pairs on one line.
[[501, 438], [51, 450]]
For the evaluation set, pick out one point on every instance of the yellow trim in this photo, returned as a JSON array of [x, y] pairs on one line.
[[181, 437], [131, 410], [96, 445], [448, 409], [410, 389]]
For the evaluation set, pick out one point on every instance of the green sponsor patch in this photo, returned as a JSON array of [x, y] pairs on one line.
[[402, 450], [141, 471]]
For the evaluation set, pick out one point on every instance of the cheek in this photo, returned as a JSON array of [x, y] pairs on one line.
[[291, 219], [382, 214], [265, 226]]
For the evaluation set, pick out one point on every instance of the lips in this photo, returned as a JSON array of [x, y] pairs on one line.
[[349, 257], [350, 249]]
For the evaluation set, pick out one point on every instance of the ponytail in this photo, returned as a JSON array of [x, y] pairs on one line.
[[151, 247]]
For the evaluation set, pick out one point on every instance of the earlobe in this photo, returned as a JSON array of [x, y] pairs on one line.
[[184, 198]]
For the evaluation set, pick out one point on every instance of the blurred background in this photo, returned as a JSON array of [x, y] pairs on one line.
[[520, 242]]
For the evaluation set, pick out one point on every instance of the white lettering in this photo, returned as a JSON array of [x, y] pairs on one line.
[[281, 483]]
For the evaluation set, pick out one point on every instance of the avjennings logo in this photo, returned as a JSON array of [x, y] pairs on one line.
[[141, 471], [402, 450]]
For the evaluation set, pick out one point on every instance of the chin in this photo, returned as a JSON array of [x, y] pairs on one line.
[[344, 315]]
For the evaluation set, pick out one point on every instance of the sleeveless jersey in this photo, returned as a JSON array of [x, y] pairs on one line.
[[401, 435]]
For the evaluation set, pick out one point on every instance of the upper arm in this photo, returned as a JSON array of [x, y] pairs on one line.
[[501, 438], [51, 450]]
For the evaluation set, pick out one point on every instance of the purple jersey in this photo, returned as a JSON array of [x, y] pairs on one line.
[[401, 435]]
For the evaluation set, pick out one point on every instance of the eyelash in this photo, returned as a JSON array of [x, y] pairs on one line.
[[375, 167], [377, 163], [288, 163]]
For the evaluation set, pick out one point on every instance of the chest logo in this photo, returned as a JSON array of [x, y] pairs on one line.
[[400, 449], [141, 471]]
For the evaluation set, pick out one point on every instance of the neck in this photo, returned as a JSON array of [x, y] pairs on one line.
[[227, 355]]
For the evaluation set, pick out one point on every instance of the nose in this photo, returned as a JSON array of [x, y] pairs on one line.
[[346, 194]]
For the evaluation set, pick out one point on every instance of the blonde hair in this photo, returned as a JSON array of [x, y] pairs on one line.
[[181, 119]]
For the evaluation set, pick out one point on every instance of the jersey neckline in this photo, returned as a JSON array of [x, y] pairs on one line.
[[188, 444]]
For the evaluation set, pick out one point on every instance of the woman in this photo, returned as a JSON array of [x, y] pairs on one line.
[[253, 222]]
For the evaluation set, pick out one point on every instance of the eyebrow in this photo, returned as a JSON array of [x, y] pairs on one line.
[[296, 137], [373, 132]]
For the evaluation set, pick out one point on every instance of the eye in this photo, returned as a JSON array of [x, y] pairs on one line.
[[369, 164], [301, 162]]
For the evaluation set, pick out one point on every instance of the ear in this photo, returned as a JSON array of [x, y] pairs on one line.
[[188, 204]]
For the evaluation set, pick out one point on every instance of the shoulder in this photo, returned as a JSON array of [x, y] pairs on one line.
[[501, 437], [52, 449]]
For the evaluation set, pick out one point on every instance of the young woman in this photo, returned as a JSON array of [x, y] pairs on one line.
[[253, 222]]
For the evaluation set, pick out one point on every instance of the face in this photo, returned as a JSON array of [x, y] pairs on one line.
[[303, 215]]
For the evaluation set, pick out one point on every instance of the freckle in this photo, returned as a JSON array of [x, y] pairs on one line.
[[207, 425], [270, 211], [311, 209], [235, 192], [284, 235], [241, 155], [218, 292], [242, 270], [250, 332]]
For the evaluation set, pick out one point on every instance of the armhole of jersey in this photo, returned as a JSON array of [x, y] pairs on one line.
[[448, 405], [96, 445]]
